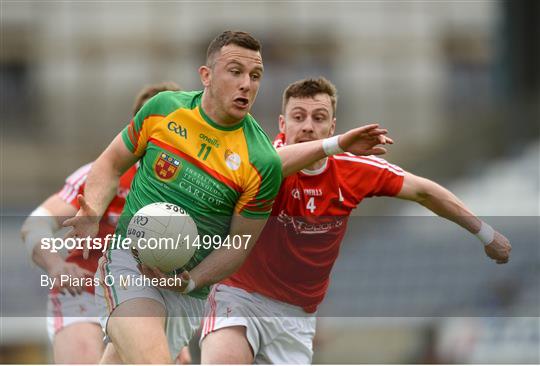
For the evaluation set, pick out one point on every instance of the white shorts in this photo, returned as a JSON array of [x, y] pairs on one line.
[[277, 332], [65, 310], [184, 313]]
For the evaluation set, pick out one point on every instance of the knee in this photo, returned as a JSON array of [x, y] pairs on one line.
[[226, 346]]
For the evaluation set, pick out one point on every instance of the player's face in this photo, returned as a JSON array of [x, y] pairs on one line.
[[232, 83], [307, 119]]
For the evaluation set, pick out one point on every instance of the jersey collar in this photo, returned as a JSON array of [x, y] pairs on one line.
[[316, 171]]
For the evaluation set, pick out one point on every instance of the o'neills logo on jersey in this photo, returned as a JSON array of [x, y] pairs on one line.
[[167, 167], [232, 160], [212, 141], [313, 192]]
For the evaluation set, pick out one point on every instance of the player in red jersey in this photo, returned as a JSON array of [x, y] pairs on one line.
[[72, 322], [264, 313]]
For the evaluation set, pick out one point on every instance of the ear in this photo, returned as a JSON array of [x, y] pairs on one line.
[[206, 76], [333, 126], [281, 123]]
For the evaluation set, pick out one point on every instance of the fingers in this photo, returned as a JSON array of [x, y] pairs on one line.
[[381, 138], [185, 276], [376, 151], [146, 270], [82, 202], [368, 128], [377, 132], [70, 222]]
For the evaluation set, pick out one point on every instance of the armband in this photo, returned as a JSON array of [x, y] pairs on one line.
[[486, 234], [40, 224], [190, 287], [331, 146]]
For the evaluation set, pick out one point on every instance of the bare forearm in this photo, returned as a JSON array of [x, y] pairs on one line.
[[445, 204], [220, 264], [223, 262], [101, 185], [105, 174], [298, 156]]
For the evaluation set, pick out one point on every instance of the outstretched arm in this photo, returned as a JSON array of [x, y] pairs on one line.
[[101, 187], [445, 204], [359, 141], [43, 223]]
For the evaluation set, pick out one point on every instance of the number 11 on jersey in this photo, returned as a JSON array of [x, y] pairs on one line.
[[201, 151]]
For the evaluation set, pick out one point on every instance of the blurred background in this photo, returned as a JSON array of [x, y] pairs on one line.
[[457, 83]]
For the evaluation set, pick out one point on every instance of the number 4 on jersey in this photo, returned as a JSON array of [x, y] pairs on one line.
[[311, 204]]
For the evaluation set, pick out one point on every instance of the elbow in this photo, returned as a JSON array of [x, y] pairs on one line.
[[423, 197]]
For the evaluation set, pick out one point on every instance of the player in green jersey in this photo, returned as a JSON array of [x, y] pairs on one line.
[[204, 152]]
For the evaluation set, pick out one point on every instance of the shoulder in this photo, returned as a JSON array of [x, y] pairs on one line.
[[365, 163], [168, 101], [259, 145]]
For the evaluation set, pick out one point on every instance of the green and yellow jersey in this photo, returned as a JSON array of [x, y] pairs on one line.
[[210, 170]]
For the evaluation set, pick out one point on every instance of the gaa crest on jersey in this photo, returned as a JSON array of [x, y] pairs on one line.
[[167, 167], [232, 159]]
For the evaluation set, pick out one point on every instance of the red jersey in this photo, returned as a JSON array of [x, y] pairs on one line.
[[74, 186], [299, 245]]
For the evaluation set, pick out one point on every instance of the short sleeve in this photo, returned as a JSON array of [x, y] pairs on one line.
[[369, 176], [263, 186], [137, 133]]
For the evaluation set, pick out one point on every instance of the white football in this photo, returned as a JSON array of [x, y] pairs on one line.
[[161, 233]]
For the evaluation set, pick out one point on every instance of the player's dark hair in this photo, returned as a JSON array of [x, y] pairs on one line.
[[241, 39], [150, 90], [308, 88]]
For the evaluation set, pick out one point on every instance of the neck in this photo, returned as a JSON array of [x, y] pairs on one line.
[[211, 111], [316, 165]]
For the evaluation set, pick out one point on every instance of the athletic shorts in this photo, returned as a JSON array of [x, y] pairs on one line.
[[278, 333], [184, 313], [65, 310]]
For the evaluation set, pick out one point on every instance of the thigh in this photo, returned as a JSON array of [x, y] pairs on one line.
[[132, 315], [139, 338], [287, 340], [78, 343], [64, 310], [74, 329], [227, 345], [184, 316], [229, 332], [117, 274], [110, 356]]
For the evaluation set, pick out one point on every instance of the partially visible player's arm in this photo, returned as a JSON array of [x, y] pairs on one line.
[[445, 204], [101, 186], [43, 223], [359, 141], [223, 262]]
